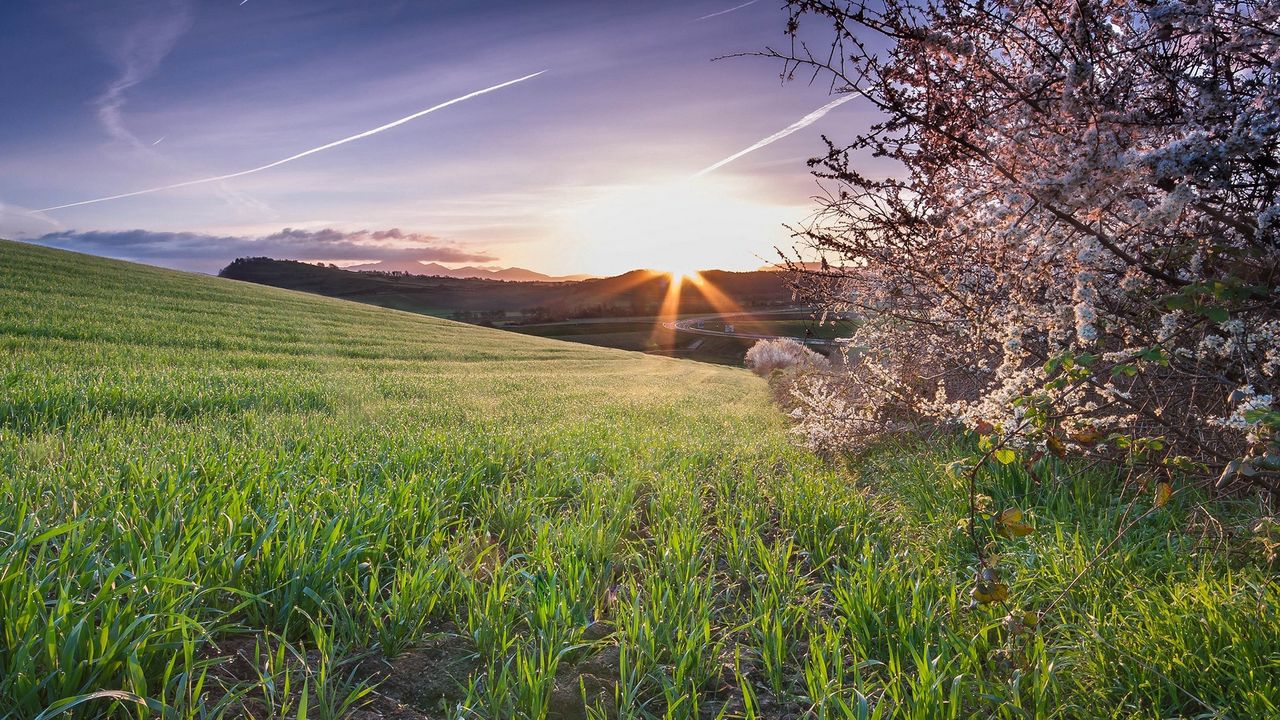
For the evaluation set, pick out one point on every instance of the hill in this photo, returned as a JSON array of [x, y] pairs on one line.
[[415, 267], [634, 294], [619, 312], [223, 499]]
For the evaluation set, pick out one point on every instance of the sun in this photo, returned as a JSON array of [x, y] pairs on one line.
[[678, 227], [682, 271]]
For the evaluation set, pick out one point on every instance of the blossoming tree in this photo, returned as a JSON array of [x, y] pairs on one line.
[[1081, 251]]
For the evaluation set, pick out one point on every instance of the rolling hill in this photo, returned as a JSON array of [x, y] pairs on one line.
[[219, 499], [619, 312], [633, 294], [415, 267]]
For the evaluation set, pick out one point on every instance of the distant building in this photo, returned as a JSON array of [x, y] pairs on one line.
[[728, 328]]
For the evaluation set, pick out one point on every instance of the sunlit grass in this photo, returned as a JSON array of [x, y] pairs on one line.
[[192, 465]]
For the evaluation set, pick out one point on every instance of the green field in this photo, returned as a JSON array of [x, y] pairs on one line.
[[784, 325], [222, 498], [645, 334]]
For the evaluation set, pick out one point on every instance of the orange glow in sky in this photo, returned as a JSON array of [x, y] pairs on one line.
[[678, 227]]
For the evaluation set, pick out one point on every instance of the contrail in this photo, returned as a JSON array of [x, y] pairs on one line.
[[725, 12], [302, 154], [800, 124]]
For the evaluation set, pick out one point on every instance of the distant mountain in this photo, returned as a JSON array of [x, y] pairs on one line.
[[414, 267], [803, 266]]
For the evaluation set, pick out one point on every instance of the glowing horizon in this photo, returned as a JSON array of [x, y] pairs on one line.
[[592, 168]]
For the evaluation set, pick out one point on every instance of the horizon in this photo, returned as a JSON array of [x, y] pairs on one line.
[[388, 266], [570, 139]]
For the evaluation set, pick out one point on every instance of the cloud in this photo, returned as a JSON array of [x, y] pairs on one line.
[[708, 16], [204, 252], [304, 153], [17, 221], [137, 53], [800, 124]]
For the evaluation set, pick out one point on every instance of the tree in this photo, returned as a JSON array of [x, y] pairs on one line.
[[1082, 249]]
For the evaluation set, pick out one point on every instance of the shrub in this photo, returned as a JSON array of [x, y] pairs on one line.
[[767, 356], [1079, 248]]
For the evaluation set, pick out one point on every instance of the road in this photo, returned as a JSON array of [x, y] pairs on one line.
[[688, 325]]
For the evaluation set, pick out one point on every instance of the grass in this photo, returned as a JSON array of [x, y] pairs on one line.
[[793, 327], [645, 334], [224, 499]]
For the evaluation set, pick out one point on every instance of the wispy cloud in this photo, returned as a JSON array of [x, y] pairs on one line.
[[800, 124], [305, 153], [727, 11], [202, 251], [16, 221], [137, 54]]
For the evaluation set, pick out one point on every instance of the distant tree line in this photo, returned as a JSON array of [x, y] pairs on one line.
[[479, 317]]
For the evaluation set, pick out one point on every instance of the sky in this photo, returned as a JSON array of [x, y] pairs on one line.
[[575, 137]]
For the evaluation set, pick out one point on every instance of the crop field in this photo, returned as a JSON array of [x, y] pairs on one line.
[[646, 334], [222, 499], [783, 326]]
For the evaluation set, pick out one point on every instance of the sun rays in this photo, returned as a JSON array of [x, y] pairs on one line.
[[689, 291], [713, 296], [670, 306]]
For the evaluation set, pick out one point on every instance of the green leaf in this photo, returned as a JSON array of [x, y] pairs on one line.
[[1216, 313], [1051, 367], [54, 532], [1266, 416], [136, 676], [1155, 355], [1124, 369], [1005, 456], [66, 704], [302, 701]]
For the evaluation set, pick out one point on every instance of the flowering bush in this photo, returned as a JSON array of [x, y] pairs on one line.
[[1081, 250], [768, 355]]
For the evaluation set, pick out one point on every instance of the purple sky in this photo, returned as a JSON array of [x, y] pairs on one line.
[[584, 168]]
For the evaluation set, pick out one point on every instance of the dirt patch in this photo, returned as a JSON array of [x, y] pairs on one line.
[[421, 684], [430, 678]]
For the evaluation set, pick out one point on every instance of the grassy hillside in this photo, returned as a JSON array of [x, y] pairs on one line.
[[219, 497]]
